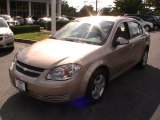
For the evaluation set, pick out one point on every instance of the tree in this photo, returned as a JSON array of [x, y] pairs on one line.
[[154, 4], [67, 10], [86, 10], [105, 11], [128, 6]]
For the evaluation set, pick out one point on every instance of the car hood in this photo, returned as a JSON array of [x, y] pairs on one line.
[[5, 30], [47, 53]]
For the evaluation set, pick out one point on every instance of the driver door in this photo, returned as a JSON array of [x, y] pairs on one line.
[[120, 58]]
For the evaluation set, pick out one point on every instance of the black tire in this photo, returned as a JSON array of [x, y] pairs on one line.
[[156, 27], [142, 64], [11, 48], [97, 85]]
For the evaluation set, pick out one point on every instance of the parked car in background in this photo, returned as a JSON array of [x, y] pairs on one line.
[[29, 21], [9, 20], [19, 19], [149, 18], [158, 18], [64, 19], [42, 21], [80, 59], [14, 23], [147, 25], [6, 35]]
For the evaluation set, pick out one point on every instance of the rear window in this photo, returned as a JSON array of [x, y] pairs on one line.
[[135, 29]]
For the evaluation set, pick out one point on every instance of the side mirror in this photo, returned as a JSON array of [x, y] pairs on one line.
[[120, 41]]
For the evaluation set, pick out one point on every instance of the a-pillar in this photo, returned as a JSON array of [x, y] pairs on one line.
[[8, 7]]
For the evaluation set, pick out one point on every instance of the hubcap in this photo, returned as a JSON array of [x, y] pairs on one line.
[[98, 86], [145, 58]]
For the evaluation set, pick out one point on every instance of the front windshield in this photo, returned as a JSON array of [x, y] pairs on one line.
[[3, 23], [85, 32]]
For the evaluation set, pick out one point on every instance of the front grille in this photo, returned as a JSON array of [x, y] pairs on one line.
[[28, 70]]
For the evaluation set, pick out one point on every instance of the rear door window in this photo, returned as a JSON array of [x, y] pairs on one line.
[[122, 31], [135, 29]]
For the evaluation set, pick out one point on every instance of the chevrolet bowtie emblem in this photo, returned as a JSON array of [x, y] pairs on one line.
[[25, 69]]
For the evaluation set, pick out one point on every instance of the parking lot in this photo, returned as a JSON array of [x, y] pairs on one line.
[[132, 96]]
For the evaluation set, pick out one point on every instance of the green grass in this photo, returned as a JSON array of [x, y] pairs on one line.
[[33, 36]]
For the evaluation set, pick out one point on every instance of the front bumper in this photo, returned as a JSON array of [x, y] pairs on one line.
[[47, 90]]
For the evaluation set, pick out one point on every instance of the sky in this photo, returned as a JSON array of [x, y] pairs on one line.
[[78, 4]]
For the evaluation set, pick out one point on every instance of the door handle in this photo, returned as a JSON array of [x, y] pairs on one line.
[[132, 46]]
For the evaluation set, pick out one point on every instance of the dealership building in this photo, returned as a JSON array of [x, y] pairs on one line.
[[27, 8]]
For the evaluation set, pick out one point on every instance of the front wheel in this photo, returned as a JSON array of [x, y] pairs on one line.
[[97, 85], [142, 64]]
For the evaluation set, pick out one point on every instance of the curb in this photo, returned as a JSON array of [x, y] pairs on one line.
[[28, 41]]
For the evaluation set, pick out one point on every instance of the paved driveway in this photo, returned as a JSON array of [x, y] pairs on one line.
[[133, 96]]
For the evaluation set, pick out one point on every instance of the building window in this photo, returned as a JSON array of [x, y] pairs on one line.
[[38, 9], [3, 7], [19, 8]]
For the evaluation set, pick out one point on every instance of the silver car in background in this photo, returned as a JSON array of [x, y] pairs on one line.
[[145, 24], [6, 35]]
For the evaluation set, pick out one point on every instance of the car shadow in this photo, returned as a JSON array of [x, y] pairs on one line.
[[4, 52], [132, 96]]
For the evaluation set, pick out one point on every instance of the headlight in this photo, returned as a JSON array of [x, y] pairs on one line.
[[8, 35], [63, 72], [13, 62]]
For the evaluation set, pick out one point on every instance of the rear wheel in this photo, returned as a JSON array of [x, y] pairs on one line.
[[156, 27], [142, 64], [97, 85]]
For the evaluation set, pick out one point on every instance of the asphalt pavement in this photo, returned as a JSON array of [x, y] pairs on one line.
[[132, 96]]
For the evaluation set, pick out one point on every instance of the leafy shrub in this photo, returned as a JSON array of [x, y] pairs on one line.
[[25, 29], [59, 25]]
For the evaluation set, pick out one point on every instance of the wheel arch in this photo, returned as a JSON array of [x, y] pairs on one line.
[[103, 67], [89, 74], [90, 82]]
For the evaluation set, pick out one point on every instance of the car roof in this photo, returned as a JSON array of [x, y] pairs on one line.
[[4, 15], [1, 18], [103, 18], [135, 17]]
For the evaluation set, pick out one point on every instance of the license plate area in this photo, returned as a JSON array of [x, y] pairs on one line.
[[20, 85]]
